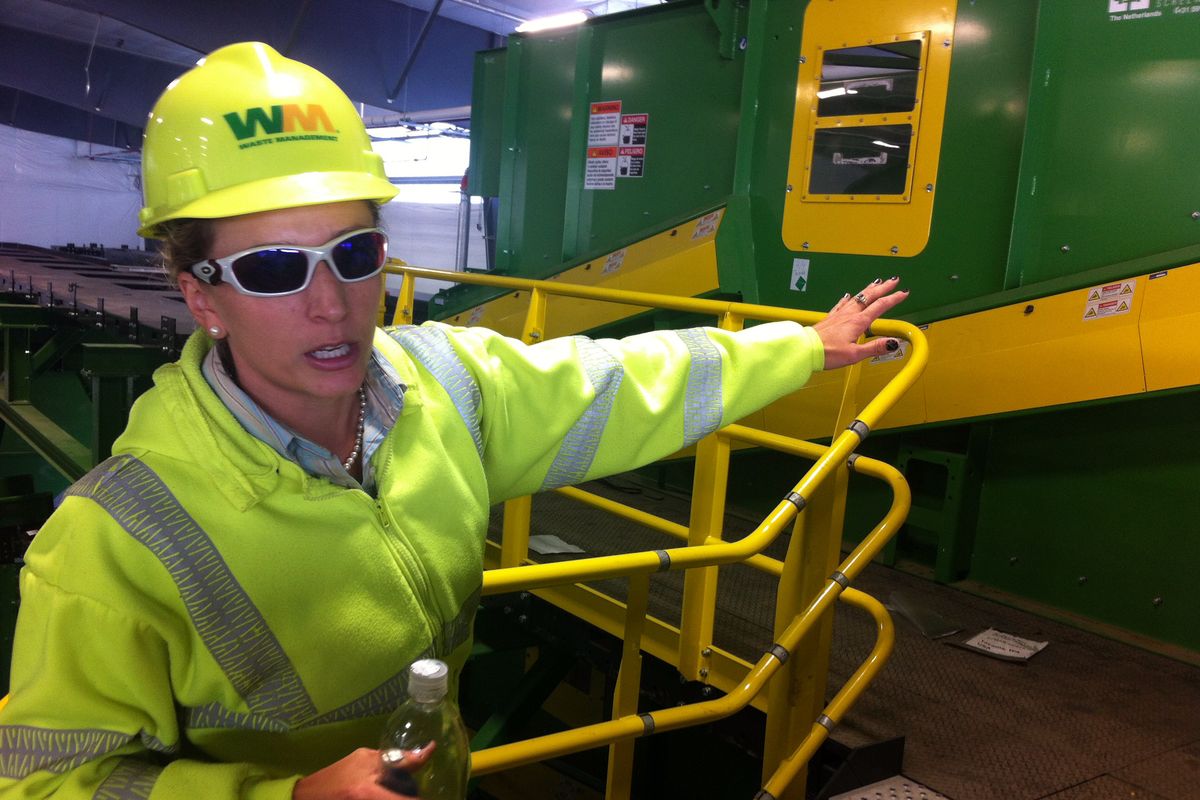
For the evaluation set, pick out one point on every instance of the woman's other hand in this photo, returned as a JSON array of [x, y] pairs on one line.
[[850, 318], [355, 777]]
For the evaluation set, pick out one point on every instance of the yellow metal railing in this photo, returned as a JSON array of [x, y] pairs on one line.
[[809, 584]]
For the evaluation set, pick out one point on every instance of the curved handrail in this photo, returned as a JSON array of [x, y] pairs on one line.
[[631, 726], [829, 460], [533, 576]]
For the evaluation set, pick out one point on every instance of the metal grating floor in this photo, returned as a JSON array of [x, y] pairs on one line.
[[1088, 718], [898, 788]]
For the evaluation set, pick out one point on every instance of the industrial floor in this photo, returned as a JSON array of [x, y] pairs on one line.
[[89, 283], [1087, 718]]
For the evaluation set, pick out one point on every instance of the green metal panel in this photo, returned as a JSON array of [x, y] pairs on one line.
[[1094, 510], [533, 168], [1108, 168], [487, 115], [691, 93], [965, 257], [667, 65], [1064, 126]]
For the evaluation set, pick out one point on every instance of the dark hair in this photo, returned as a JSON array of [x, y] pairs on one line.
[[187, 241], [184, 242]]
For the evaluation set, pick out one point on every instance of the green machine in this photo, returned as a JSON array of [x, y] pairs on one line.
[[1028, 169], [71, 371]]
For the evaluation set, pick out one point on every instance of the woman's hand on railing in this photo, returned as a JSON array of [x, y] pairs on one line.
[[850, 318]]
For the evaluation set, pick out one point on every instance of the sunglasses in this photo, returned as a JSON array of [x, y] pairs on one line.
[[275, 270]]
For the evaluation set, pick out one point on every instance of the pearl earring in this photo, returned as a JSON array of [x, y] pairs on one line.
[[215, 331]]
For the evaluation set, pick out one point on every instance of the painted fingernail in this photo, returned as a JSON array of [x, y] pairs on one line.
[[877, 280], [892, 345], [846, 296], [399, 781], [894, 278]]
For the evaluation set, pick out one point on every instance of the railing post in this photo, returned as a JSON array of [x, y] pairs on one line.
[[796, 693], [535, 318], [707, 521], [403, 314], [700, 585], [619, 783], [514, 540]]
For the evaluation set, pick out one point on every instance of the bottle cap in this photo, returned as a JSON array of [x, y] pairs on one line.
[[428, 680]]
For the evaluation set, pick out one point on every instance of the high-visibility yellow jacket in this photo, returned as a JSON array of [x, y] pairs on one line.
[[202, 619]]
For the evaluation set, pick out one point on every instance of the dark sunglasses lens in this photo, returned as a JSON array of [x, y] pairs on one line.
[[273, 270], [361, 255]]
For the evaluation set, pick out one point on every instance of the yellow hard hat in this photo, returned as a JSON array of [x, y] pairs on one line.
[[248, 130]]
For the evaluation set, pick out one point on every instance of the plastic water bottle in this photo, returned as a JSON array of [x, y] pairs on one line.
[[427, 717]]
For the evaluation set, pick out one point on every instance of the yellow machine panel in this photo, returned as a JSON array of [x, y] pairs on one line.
[[681, 261], [1170, 311], [1104, 341], [862, 172]]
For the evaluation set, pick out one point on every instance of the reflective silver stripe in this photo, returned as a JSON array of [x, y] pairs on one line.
[[232, 629], [580, 444], [702, 406], [25, 749], [432, 348], [458, 629], [153, 743], [133, 779], [382, 699], [215, 715]]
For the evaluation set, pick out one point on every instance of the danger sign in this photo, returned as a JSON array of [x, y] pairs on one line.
[[631, 162], [633, 129], [1110, 299]]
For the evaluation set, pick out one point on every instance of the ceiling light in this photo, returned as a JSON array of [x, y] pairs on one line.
[[553, 21]]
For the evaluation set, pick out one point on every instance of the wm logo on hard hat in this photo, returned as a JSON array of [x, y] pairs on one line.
[[278, 119]]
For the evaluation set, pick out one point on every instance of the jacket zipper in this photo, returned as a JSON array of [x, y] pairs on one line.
[[410, 566]]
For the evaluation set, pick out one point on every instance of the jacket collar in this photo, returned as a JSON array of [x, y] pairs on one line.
[[183, 419]]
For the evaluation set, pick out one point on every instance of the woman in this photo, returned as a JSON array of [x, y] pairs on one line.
[[296, 511]]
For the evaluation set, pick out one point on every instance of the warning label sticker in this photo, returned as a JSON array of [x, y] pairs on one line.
[[604, 124], [633, 129], [900, 352], [631, 162], [799, 275], [706, 225], [613, 262], [616, 145], [1110, 299], [601, 171]]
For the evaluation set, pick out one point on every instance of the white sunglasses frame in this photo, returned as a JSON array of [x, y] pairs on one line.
[[215, 271]]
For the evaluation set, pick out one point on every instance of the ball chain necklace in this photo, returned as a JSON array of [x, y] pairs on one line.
[[358, 439]]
